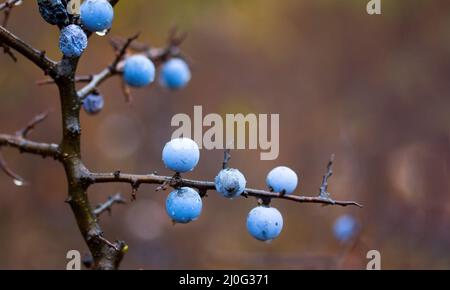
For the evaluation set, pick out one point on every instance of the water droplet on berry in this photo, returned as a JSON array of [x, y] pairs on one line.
[[102, 33]]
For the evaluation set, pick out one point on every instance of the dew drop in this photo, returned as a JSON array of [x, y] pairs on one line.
[[102, 33], [18, 182]]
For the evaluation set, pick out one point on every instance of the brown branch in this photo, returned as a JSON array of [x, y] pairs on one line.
[[37, 57], [136, 180], [28, 146], [32, 124], [107, 206]]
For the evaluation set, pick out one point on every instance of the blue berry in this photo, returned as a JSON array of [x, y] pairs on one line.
[[72, 41], [93, 103], [54, 12], [184, 205], [282, 179], [139, 71], [96, 15], [264, 223], [345, 228], [175, 74], [181, 155], [230, 182]]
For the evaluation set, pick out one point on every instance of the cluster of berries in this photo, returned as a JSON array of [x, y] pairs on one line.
[[97, 16], [184, 204]]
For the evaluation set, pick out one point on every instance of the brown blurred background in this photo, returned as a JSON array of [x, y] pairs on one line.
[[372, 89]]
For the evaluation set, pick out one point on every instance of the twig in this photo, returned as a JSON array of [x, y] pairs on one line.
[[120, 52], [324, 187], [107, 206], [32, 124], [37, 57], [126, 92], [7, 6], [18, 180], [226, 158], [208, 185]]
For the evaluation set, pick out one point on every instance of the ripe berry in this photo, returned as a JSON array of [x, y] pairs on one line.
[[96, 15], [175, 74], [139, 71], [282, 179], [181, 155], [345, 228], [54, 12], [230, 182], [184, 205], [264, 223], [72, 41], [93, 103]]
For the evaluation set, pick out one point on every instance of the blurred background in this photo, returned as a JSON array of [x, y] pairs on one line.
[[374, 90]]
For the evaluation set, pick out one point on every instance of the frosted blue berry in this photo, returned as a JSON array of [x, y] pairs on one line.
[[96, 15], [139, 71], [54, 12], [184, 205], [282, 179], [175, 74], [93, 103], [264, 223], [230, 182], [181, 155], [345, 228], [72, 41]]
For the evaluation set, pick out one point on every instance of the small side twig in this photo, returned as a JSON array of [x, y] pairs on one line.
[[23, 133], [107, 206], [19, 141], [324, 187], [121, 51], [17, 179], [226, 158]]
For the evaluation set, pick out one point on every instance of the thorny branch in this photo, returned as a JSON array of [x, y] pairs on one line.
[[105, 254], [136, 180], [8, 39]]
